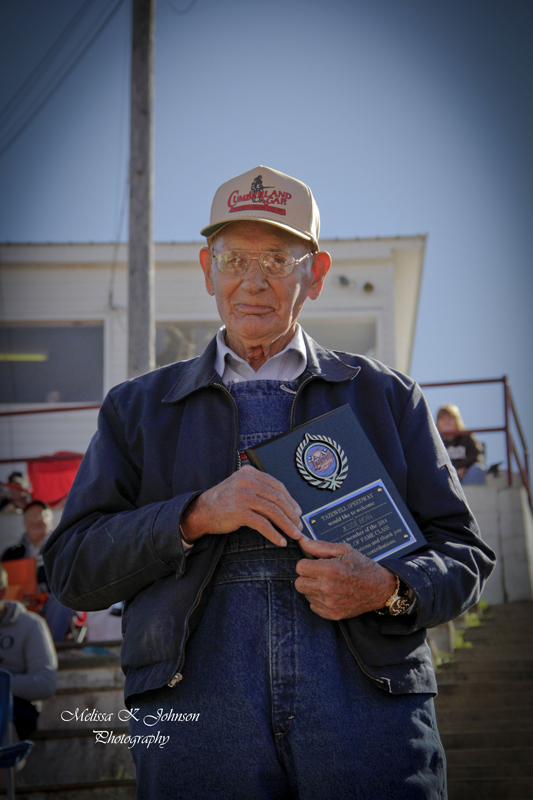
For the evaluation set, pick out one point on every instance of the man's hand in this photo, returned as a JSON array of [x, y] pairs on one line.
[[342, 582], [248, 497]]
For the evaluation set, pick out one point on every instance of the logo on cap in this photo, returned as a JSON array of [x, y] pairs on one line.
[[260, 197]]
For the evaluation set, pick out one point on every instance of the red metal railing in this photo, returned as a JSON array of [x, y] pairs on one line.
[[56, 410], [509, 414]]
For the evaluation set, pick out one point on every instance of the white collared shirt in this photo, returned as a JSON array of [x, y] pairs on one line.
[[284, 366]]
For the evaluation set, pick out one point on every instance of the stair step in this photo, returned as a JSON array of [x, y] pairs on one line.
[[87, 677], [471, 655], [461, 701], [68, 756], [486, 688], [489, 665], [489, 757], [503, 631], [92, 790], [65, 709], [497, 717], [488, 739], [87, 662], [491, 772], [504, 789], [465, 675], [72, 647], [468, 726], [509, 609]]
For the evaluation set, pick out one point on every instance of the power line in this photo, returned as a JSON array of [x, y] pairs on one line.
[[60, 80], [62, 39], [181, 10]]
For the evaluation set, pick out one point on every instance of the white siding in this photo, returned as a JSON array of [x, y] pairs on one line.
[[87, 282]]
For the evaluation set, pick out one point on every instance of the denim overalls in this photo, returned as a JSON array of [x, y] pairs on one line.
[[284, 710]]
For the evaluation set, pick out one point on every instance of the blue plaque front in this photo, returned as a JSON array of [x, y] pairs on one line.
[[331, 469]]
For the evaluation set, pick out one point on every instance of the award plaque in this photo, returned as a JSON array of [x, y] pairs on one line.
[[330, 468]]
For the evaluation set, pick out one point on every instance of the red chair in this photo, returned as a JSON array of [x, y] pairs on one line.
[[22, 575]]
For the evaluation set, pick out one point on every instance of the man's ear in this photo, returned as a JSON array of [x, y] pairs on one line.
[[206, 261], [320, 268]]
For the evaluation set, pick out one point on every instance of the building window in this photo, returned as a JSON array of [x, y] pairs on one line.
[[57, 363], [177, 341], [348, 334]]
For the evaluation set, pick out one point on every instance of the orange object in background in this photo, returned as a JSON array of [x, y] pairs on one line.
[[22, 578], [52, 476]]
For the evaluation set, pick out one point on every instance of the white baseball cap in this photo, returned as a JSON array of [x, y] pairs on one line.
[[266, 195]]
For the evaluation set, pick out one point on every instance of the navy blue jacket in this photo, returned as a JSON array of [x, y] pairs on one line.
[[171, 434]]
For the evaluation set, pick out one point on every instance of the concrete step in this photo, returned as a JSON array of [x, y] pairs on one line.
[[94, 790], [495, 636], [67, 762], [494, 789], [457, 698], [511, 609], [484, 688], [492, 653], [509, 620], [511, 628], [489, 757], [466, 675], [488, 739], [454, 725], [488, 665], [492, 772], [86, 676], [489, 715], [71, 756], [485, 640], [66, 708], [72, 647]]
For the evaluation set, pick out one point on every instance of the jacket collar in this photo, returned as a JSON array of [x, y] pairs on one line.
[[200, 372]]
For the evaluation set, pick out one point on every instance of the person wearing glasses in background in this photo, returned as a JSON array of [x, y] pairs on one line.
[[39, 524], [226, 624]]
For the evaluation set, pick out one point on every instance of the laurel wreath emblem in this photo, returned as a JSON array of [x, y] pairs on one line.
[[331, 482]]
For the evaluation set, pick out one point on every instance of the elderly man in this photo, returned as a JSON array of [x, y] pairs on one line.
[[232, 646]]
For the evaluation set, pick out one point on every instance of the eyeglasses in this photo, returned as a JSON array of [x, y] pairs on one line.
[[273, 265]]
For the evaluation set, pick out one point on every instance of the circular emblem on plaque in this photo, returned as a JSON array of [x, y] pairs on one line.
[[321, 462]]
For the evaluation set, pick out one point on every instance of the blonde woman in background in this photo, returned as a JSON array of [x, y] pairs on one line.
[[464, 450]]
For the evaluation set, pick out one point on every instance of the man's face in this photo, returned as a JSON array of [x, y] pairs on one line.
[[38, 522], [257, 309]]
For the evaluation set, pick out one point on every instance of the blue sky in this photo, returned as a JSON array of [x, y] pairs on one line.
[[404, 118]]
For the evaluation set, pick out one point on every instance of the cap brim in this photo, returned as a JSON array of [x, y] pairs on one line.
[[217, 226]]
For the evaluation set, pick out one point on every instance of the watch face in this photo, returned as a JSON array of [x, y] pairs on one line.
[[399, 605]]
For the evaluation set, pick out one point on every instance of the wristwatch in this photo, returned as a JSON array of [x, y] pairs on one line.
[[398, 603]]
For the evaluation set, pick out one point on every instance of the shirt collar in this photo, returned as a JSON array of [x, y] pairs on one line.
[[293, 357]]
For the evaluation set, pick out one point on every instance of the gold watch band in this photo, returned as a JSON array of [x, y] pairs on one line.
[[398, 603]]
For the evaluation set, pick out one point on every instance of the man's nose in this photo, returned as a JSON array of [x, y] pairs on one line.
[[254, 279]]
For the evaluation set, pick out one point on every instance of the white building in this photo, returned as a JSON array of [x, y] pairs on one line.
[[63, 333]]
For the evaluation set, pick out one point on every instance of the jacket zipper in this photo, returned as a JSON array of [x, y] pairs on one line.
[[296, 396], [373, 678], [178, 676]]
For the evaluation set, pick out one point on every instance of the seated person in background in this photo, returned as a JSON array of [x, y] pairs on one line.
[[14, 494], [39, 523], [27, 652], [465, 452]]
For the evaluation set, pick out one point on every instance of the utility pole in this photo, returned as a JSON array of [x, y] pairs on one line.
[[141, 270]]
